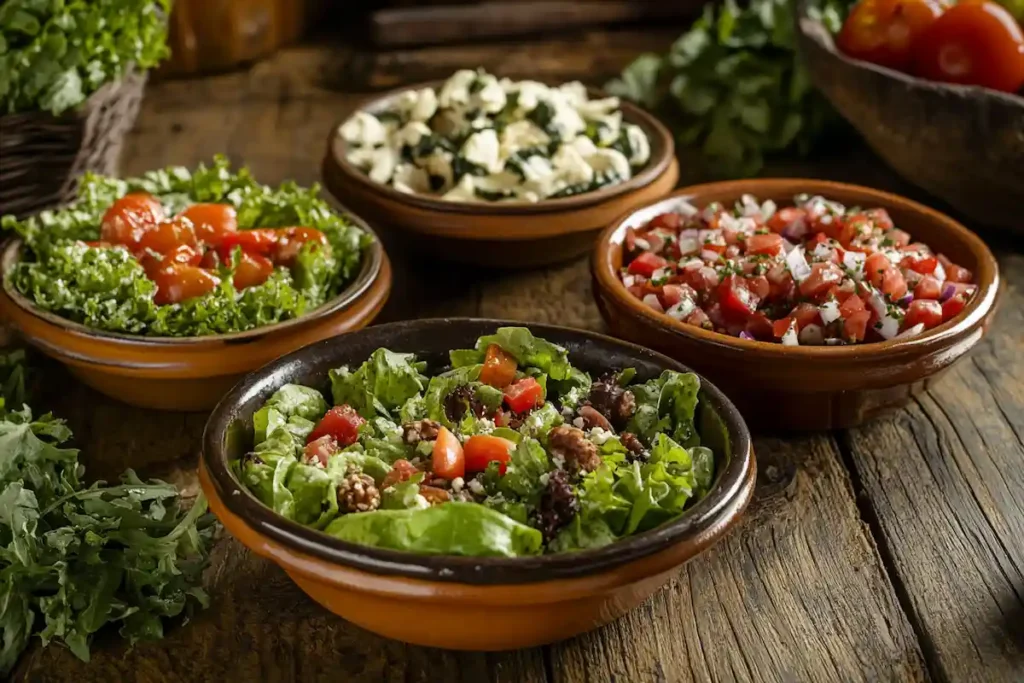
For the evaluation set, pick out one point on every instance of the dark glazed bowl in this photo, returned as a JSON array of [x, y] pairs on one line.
[[531, 600], [963, 144], [189, 373], [501, 234], [805, 387]]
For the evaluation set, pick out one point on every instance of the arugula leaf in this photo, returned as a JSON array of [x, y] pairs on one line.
[[448, 529], [53, 55], [733, 86], [107, 289]]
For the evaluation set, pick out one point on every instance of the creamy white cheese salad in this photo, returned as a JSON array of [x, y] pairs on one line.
[[478, 138]]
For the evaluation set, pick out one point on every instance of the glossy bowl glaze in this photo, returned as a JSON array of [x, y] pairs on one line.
[[472, 603], [518, 235], [806, 387], [963, 144], [191, 373]]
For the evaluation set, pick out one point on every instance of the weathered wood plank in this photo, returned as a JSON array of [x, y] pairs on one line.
[[945, 487]]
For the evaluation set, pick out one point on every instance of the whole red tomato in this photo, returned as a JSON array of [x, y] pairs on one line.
[[212, 221], [884, 32], [973, 43], [129, 218], [178, 282]]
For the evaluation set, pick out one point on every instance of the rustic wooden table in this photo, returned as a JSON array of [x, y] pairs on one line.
[[894, 551]]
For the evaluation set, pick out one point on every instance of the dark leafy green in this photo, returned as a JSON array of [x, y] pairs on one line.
[[107, 289], [74, 558], [55, 53], [733, 86]]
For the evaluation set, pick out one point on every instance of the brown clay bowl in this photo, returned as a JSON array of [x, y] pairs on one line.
[[807, 387], [963, 144], [191, 373], [500, 235], [474, 603]]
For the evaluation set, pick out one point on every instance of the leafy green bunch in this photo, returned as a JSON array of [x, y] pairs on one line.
[[733, 87], [74, 558], [107, 289], [55, 53]]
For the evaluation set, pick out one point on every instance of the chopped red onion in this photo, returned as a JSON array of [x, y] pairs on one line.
[[689, 234], [746, 335], [795, 230], [709, 255], [651, 300], [854, 261], [787, 246], [906, 300], [791, 337], [628, 280], [688, 245], [683, 309], [687, 209], [910, 332], [940, 272], [947, 292]]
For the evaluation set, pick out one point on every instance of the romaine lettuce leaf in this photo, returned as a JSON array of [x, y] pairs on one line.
[[448, 529], [292, 406], [528, 350], [522, 475], [314, 496], [404, 495], [666, 404], [573, 389], [338, 464], [380, 385]]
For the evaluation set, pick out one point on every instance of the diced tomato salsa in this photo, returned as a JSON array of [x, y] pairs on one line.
[[809, 274]]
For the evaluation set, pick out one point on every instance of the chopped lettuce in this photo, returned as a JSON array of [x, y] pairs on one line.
[[339, 463], [666, 404], [573, 389], [528, 350], [294, 407], [404, 495], [380, 385], [448, 529], [522, 476]]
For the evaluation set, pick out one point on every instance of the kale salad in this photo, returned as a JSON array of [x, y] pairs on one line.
[[508, 451], [180, 253]]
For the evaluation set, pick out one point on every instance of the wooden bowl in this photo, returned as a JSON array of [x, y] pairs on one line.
[[520, 235], [473, 603], [191, 373], [963, 144], [806, 387]]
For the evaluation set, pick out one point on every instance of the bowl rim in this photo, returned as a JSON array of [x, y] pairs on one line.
[[652, 170], [730, 484], [370, 267], [986, 275]]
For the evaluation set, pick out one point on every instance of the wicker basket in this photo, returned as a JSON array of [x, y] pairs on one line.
[[43, 156]]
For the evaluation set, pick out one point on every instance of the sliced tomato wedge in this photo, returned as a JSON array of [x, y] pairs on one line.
[[341, 422], [448, 459], [483, 449], [524, 395], [499, 367]]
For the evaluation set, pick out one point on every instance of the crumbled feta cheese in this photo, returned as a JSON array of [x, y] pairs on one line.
[[544, 478], [610, 160], [558, 460], [410, 179], [481, 148], [599, 435], [639, 145], [421, 503], [363, 129], [411, 133], [476, 488], [457, 484]]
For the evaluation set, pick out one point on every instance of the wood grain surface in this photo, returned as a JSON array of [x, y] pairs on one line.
[[894, 552]]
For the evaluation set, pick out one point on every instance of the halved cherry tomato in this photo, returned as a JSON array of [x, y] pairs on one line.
[[646, 263], [449, 460], [483, 449], [212, 221], [524, 395], [291, 240], [973, 43], [885, 31], [166, 236], [928, 288], [401, 470], [926, 311], [341, 422], [177, 282], [129, 217], [252, 270], [770, 244], [499, 367], [258, 241], [736, 298]]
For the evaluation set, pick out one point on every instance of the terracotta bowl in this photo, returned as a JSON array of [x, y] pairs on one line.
[[963, 144], [501, 235], [191, 374], [808, 387], [472, 603]]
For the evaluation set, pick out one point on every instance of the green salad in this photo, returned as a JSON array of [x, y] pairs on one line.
[[186, 253], [508, 451]]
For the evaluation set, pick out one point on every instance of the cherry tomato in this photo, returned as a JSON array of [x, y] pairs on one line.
[[770, 244], [258, 241], [402, 470], [183, 254], [646, 263], [736, 298], [177, 282], [926, 311], [252, 270], [483, 449], [341, 422], [524, 395], [166, 236], [499, 367], [449, 460], [973, 43], [884, 31], [291, 240], [129, 217], [212, 221]]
